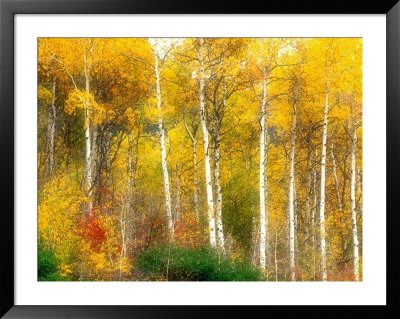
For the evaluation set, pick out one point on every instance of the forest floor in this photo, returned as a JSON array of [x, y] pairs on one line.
[[138, 275]]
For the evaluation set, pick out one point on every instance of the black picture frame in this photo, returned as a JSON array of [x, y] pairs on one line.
[[8, 9]]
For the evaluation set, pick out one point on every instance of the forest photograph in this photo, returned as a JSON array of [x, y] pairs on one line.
[[199, 159]]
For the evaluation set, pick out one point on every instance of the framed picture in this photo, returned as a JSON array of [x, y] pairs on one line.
[[161, 159]]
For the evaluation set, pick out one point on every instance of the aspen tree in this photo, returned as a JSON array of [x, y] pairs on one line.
[[210, 200], [262, 177], [51, 130], [322, 189], [356, 260], [161, 133]]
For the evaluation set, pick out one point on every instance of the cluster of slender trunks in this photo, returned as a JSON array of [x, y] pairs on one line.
[[212, 173]]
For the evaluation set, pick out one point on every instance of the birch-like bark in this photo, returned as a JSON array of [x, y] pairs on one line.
[[262, 175], [291, 193], [94, 156], [163, 151], [356, 261], [88, 137], [218, 191], [266, 186], [217, 180], [322, 190], [207, 168], [51, 130]]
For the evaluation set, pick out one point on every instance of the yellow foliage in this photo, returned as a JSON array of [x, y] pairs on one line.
[[44, 94], [123, 108], [60, 204]]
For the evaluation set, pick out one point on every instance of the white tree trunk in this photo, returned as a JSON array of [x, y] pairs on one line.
[[267, 242], [163, 151], [210, 200], [262, 174], [52, 130], [88, 158], [356, 261], [88, 137], [218, 192], [217, 179], [322, 191], [291, 194], [94, 153]]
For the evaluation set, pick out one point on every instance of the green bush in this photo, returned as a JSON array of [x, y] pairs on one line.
[[48, 265], [199, 264]]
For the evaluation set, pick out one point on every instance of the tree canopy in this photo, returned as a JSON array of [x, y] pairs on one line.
[[245, 150]]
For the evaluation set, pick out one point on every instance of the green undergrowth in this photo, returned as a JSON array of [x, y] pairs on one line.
[[48, 266], [198, 264]]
